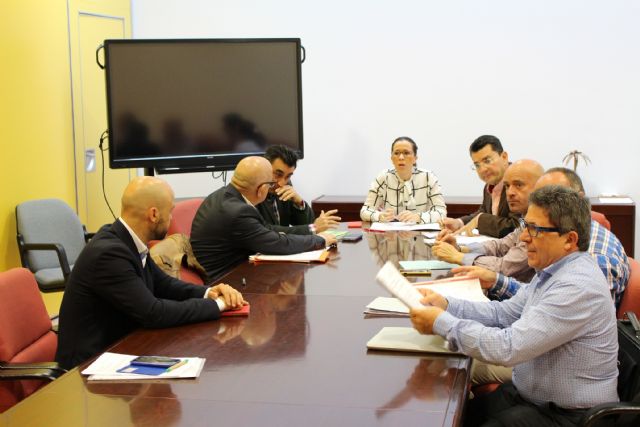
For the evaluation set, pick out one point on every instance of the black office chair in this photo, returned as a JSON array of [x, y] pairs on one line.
[[625, 413], [50, 238]]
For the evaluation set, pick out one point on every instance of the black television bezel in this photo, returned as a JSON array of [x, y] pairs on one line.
[[196, 162]]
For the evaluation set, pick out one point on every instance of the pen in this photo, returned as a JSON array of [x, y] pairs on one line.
[[177, 365], [244, 282]]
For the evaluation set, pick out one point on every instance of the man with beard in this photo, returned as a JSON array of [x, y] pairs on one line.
[[115, 287]]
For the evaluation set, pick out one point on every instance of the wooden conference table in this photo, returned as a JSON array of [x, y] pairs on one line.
[[300, 358]]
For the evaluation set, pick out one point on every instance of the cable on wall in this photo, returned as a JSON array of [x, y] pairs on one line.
[[103, 137]]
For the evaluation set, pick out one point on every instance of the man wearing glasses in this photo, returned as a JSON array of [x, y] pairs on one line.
[[559, 332], [284, 210], [493, 218], [227, 227]]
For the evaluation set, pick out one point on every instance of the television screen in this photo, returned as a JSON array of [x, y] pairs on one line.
[[197, 105]]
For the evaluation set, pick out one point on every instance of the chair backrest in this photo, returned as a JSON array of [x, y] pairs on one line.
[[25, 327], [631, 296], [183, 215], [49, 221], [25, 331], [597, 216]]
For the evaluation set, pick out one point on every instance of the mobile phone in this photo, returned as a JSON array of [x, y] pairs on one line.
[[352, 236], [157, 361]]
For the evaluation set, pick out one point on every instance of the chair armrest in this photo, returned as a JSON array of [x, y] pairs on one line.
[[616, 408], [57, 247], [87, 236], [29, 374]]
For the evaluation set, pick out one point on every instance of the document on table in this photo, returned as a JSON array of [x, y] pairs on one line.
[[386, 305], [391, 279], [403, 226], [321, 255], [430, 239], [408, 339], [107, 366], [615, 200], [427, 264], [456, 287]]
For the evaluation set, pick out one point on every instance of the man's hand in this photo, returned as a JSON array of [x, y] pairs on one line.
[[446, 235], [447, 252], [287, 192], [386, 215], [329, 239], [424, 318], [451, 224], [469, 227], [233, 299], [487, 277], [408, 216], [326, 220], [433, 298]]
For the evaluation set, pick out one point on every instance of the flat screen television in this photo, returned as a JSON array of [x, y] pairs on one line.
[[201, 105]]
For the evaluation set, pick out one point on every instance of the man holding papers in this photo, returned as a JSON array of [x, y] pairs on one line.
[[115, 287], [228, 228], [508, 255], [559, 332]]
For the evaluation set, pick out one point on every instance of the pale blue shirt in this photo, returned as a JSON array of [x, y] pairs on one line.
[[559, 333]]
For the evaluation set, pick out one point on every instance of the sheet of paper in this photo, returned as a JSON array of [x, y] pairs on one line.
[[615, 200], [427, 264], [457, 287], [392, 305], [408, 339], [107, 365], [465, 240], [391, 279], [403, 226], [301, 257]]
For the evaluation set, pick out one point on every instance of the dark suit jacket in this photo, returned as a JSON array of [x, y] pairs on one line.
[[109, 294], [292, 219], [226, 230], [494, 225]]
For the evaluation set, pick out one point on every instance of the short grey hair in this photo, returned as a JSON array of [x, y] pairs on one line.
[[567, 210], [574, 180]]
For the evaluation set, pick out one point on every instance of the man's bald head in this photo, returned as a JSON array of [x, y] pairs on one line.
[[145, 192], [563, 177], [248, 176], [147, 203], [519, 181]]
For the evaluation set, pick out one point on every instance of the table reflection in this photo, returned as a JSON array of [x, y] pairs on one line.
[[149, 404], [432, 379], [397, 246], [277, 326]]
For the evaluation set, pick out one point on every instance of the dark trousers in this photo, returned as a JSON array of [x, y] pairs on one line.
[[505, 407]]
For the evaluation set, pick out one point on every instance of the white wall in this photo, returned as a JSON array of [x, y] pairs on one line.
[[544, 76]]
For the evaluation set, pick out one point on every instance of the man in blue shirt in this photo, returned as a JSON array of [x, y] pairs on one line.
[[559, 332]]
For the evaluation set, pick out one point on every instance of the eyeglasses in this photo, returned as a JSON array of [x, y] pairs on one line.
[[534, 230], [487, 161], [402, 153], [271, 184]]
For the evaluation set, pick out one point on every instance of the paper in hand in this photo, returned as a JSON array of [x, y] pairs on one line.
[[391, 279]]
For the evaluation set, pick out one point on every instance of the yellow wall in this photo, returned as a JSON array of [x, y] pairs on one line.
[[36, 145]]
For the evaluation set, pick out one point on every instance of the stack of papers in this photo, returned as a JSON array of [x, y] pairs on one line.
[[321, 255], [457, 287], [108, 365], [428, 264], [408, 339], [403, 226], [386, 307]]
